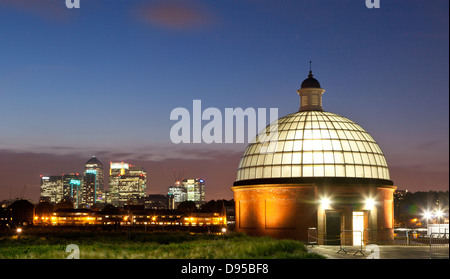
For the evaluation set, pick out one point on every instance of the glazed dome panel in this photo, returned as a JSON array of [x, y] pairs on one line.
[[313, 144]]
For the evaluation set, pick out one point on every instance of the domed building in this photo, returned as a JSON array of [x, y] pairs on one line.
[[315, 169]]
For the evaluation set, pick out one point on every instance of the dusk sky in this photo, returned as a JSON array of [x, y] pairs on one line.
[[103, 79]]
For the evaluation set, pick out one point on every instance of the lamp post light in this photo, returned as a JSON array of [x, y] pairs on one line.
[[18, 232], [427, 216], [439, 214]]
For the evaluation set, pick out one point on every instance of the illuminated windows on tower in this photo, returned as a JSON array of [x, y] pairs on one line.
[[188, 190], [51, 188], [93, 182], [195, 190], [73, 188], [127, 184]]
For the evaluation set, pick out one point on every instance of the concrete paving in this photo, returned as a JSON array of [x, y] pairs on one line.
[[380, 252]]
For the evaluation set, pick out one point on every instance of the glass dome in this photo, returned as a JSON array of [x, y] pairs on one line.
[[313, 144]]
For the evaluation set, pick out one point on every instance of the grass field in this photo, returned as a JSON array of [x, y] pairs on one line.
[[155, 245]]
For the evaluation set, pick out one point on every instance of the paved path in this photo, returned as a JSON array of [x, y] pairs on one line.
[[385, 252]]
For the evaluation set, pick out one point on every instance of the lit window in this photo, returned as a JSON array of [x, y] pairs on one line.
[[296, 158], [327, 145], [276, 171], [350, 171], [318, 158], [308, 171], [338, 157], [267, 173], [340, 170], [277, 158], [287, 158], [308, 145], [297, 145], [319, 170], [307, 134], [296, 171], [286, 171], [288, 146], [329, 171], [307, 158], [328, 157]]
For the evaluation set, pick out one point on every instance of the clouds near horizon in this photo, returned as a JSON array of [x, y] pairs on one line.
[[53, 10], [19, 169], [175, 15]]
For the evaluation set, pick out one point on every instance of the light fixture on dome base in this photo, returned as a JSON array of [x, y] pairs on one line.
[[370, 203], [325, 203]]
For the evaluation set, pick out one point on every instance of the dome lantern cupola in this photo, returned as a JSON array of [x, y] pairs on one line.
[[310, 94]]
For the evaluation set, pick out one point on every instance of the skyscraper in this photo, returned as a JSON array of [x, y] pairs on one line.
[[73, 188], [127, 183], [178, 195], [93, 182], [51, 188], [195, 190], [116, 170], [188, 190]]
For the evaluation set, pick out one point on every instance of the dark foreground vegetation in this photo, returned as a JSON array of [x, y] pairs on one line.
[[149, 245]]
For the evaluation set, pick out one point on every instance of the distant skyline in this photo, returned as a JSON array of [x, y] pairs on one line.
[[102, 80]]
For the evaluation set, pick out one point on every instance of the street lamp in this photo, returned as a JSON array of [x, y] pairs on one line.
[[427, 215], [439, 214]]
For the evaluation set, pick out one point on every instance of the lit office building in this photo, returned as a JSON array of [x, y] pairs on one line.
[[195, 190], [51, 189], [93, 182], [127, 184], [72, 188], [177, 194], [316, 170], [187, 190], [116, 170]]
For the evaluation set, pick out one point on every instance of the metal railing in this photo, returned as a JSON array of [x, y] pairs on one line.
[[345, 247], [314, 237], [439, 245], [343, 239], [438, 242]]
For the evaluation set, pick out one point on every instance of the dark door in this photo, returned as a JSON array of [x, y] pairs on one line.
[[333, 231]]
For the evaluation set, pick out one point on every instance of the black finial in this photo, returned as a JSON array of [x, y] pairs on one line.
[[310, 82]]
